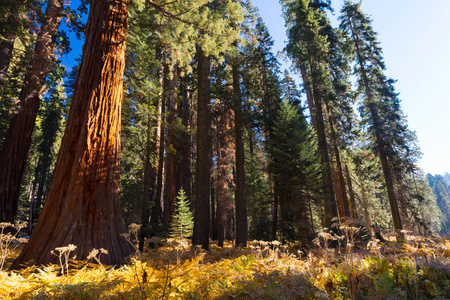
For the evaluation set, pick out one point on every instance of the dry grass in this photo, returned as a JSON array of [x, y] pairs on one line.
[[418, 269]]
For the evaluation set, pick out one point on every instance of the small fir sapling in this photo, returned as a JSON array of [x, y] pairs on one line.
[[182, 224]]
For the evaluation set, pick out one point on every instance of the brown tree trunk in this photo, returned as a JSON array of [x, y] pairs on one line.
[[304, 222], [161, 149], [170, 192], [224, 172], [341, 187], [327, 178], [150, 172], [353, 213], [13, 156], [365, 204], [240, 200], [185, 142], [309, 97], [83, 206], [156, 209], [275, 192], [203, 163], [388, 178]]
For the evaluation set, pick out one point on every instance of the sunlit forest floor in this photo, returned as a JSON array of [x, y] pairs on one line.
[[416, 269]]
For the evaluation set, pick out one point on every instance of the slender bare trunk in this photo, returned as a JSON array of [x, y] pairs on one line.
[[156, 209], [185, 180], [240, 199], [353, 213], [309, 97], [170, 192]]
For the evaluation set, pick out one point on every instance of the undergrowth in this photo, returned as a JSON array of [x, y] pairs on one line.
[[417, 269]]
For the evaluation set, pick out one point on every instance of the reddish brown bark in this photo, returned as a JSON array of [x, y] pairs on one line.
[[330, 209], [340, 186], [224, 172], [157, 216], [203, 164], [309, 97], [83, 206], [171, 185], [13, 156], [351, 193], [185, 180]]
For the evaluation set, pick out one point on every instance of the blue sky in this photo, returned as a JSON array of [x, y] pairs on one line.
[[414, 36]]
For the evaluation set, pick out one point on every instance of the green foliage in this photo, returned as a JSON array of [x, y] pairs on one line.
[[258, 199], [441, 190], [295, 167], [182, 225]]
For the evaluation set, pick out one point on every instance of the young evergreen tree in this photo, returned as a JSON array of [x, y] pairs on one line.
[[182, 223], [295, 167]]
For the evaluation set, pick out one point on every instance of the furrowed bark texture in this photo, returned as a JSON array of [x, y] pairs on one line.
[[13, 156], [224, 170], [203, 163], [83, 206]]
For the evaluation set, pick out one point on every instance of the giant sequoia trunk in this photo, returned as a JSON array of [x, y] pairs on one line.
[[13, 156], [203, 163], [241, 205], [83, 206]]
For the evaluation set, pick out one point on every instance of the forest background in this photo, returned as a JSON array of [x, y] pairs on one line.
[[267, 189]]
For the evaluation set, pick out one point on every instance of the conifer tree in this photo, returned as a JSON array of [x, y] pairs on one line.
[[51, 129], [16, 24], [308, 47], [441, 190], [380, 108], [295, 169], [13, 155], [182, 223]]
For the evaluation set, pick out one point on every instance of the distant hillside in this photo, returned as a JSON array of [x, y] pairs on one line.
[[440, 186]]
